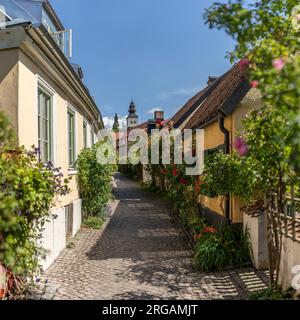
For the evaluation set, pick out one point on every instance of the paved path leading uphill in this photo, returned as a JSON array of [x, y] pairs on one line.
[[140, 255]]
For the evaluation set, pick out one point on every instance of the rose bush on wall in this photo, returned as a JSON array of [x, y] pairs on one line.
[[27, 191], [267, 36]]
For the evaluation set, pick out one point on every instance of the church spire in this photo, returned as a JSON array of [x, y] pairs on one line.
[[132, 108], [116, 124], [132, 118]]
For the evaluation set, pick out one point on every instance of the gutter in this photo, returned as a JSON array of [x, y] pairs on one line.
[[221, 119]]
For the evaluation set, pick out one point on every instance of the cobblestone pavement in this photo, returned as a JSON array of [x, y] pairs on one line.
[[140, 255]]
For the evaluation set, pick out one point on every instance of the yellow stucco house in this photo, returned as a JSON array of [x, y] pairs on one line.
[[219, 109], [47, 102]]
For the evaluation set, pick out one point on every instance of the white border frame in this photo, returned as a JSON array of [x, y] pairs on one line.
[[74, 111], [43, 85]]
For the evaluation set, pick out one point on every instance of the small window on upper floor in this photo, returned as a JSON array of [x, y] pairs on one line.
[[48, 23], [63, 38]]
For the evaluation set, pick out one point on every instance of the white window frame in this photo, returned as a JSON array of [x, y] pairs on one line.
[[72, 110], [48, 90], [92, 134], [85, 142]]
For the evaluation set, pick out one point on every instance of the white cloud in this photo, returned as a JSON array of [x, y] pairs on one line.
[[151, 111], [109, 121], [178, 92]]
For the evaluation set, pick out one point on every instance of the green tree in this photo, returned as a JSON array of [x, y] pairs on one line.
[[267, 43]]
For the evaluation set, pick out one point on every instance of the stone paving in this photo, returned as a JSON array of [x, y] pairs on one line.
[[140, 254]]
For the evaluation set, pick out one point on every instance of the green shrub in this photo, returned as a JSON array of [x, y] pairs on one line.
[[93, 223], [94, 182], [27, 190], [216, 250], [272, 294], [196, 223]]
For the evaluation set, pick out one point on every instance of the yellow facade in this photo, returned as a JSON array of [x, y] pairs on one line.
[[213, 137], [21, 74]]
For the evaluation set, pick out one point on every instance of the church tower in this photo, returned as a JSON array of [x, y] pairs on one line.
[[132, 118], [116, 124]]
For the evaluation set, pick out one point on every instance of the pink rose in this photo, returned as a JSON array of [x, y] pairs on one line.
[[254, 83], [241, 147], [244, 63], [278, 64]]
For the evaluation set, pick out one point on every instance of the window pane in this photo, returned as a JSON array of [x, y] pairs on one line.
[[84, 135], [44, 126], [71, 138], [45, 129], [45, 156]]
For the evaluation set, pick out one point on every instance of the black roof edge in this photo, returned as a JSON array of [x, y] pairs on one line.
[[209, 88], [234, 100]]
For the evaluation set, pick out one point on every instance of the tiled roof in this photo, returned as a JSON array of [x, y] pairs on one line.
[[143, 125], [227, 93], [192, 105]]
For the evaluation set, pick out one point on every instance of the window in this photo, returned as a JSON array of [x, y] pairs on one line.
[[84, 134], [45, 126], [92, 136], [209, 152], [48, 22], [71, 137]]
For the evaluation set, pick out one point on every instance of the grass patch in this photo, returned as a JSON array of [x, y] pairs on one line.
[[272, 294], [93, 223]]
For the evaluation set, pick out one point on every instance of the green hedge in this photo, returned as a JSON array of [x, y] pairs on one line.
[[95, 182]]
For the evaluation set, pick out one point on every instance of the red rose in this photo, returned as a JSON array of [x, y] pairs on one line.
[[183, 182], [164, 171], [209, 230], [198, 236]]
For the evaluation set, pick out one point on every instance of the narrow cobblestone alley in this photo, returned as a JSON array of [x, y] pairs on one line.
[[140, 255]]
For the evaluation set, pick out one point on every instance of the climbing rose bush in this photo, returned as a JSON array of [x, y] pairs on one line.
[[267, 35], [27, 192]]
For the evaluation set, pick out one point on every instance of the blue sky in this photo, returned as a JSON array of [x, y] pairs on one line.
[[159, 52]]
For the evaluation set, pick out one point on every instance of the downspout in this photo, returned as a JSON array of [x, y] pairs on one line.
[[221, 118]]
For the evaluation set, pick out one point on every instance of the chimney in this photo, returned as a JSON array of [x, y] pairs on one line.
[[211, 80], [159, 115]]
